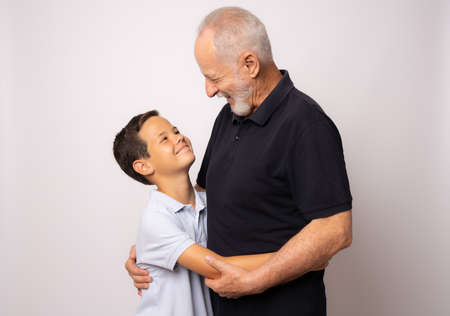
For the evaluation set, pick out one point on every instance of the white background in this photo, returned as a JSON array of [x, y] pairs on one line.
[[74, 72]]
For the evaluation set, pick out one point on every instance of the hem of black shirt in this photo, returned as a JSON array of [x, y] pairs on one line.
[[332, 210]]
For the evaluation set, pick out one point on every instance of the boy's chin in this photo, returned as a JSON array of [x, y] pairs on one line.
[[188, 156], [191, 161], [187, 161]]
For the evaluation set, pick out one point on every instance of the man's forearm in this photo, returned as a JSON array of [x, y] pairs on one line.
[[313, 246]]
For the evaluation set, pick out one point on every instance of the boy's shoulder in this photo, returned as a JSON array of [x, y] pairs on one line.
[[160, 211], [160, 202], [164, 205]]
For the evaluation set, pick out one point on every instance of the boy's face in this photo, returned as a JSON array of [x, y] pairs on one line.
[[170, 151]]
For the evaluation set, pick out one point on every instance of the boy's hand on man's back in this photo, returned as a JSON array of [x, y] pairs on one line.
[[140, 277]]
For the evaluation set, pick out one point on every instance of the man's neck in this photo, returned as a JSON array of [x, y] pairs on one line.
[[264, 84], [178, 187]]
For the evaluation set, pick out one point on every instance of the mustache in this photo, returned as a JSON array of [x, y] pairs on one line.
[[223, 95]]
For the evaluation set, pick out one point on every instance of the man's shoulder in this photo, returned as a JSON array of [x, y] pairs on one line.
[[303, 107], [302, 111]]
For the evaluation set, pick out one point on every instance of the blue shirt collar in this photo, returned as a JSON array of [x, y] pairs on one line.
[[174, 206]]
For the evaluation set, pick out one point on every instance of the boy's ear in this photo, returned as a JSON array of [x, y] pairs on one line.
[[143, 167]]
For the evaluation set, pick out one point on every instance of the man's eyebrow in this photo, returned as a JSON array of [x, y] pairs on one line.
[[175, 128], [209, 76], [163, 132]]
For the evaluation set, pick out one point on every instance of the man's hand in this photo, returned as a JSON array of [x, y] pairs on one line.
[[140, 277], [321, 267], [234, 282]]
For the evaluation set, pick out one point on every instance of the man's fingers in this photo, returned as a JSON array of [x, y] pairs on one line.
[[132, 268], [140, 286], [209, 283], [141, 279], [217, 264], [322, 266], [212, 284], [133, 252]]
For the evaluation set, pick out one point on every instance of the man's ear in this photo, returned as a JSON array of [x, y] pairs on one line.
[[143, 167], [250, 63]]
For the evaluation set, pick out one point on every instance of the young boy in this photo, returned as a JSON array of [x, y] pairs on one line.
[[172, 233]]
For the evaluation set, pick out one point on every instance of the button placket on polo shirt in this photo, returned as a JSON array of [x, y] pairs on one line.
[[241, 131], [241, 127], [237, 127]]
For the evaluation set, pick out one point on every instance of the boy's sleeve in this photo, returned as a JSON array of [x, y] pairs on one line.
[[160, 240]]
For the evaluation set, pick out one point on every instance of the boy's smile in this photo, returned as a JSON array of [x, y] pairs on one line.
[[184, 148], [170, 151]]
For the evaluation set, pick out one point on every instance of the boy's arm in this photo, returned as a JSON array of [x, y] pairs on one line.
[[193, 258], [198, 253]]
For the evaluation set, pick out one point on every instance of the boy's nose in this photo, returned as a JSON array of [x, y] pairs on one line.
[[180, 137]]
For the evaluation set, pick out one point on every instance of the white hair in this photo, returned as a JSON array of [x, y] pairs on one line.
[[237, 30]]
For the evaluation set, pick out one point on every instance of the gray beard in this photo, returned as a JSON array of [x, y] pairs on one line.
[[241, 108]]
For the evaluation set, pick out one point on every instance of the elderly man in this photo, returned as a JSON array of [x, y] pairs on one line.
[[274, 174]]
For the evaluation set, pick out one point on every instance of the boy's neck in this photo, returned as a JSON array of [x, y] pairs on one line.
[[179, 188]]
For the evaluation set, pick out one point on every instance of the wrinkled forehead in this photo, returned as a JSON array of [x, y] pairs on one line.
[[206, 58], [204, 51], [204, 44]]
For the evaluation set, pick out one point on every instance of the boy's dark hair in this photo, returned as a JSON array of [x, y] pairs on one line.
[[128, 146]]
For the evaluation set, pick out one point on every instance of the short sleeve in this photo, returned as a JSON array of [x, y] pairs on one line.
[[161, 240], [316, 171]]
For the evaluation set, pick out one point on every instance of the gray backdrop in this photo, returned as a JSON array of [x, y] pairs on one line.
[[73, 73]]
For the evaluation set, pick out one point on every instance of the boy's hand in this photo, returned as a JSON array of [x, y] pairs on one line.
[[140, 277]]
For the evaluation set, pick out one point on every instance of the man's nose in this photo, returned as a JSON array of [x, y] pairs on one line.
[[211, 89]]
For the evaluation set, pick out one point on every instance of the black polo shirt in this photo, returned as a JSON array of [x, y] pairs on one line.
[[266, 177]]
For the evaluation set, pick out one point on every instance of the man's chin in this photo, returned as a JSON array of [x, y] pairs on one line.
[[241, 110]]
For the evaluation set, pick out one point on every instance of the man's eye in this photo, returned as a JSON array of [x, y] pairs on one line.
[[213, 80], [164, 139], [177, 132]]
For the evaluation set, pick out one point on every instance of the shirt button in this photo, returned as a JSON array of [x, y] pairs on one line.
[[236, 137]]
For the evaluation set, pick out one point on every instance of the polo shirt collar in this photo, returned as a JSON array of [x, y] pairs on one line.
[[174, 206], [271, 102], [200, 203]]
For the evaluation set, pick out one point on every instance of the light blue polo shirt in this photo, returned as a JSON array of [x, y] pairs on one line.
[[166, 230]]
